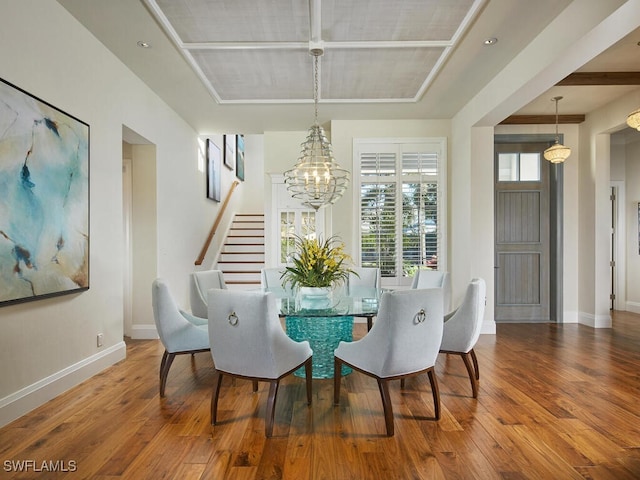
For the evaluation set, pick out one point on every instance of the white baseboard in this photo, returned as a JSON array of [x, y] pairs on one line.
[[144, 332], [570, 317], [15, 405], [595, 321], [488, 327], [633, 307]]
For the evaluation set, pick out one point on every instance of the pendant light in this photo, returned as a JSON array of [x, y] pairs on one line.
[[316, 179], [633, 120], [557, 153]]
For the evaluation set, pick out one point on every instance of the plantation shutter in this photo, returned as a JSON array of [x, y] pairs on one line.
[[400, 205], [378, 212]]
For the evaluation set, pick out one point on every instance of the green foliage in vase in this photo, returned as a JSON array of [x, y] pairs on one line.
[[318, 263]]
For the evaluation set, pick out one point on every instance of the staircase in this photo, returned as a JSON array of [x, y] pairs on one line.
[[242, 255]]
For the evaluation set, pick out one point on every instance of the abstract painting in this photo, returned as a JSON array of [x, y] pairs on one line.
[[229, 151], [213, 171], [44, 199], [240, 157]]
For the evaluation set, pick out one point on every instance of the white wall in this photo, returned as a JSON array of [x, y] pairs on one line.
[[281, 152], [144, 232], [632, 190], [49, 345]]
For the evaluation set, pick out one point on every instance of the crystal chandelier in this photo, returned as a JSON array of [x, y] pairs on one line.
[[316, 179], [557, 153]]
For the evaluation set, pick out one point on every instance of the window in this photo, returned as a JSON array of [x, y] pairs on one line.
[[401, 186], [518, 167]]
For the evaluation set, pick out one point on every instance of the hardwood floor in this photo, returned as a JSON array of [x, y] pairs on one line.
[[555, 402]]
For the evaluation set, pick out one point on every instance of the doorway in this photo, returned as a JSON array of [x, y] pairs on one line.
[[528, 232], [139, 223]]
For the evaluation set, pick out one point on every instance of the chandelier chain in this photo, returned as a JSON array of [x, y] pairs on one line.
[[315, 86]]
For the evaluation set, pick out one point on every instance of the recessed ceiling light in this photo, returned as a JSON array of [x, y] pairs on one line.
[[491, 41], [143, 44]]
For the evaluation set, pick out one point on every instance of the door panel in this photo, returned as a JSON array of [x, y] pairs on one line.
[[522, 234]]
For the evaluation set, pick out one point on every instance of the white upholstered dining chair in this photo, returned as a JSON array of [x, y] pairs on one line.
[[248, 341], [364, 282], [404, 341], [434, 279], [200, 283], [271, 281], [462, 329], [179, 332]]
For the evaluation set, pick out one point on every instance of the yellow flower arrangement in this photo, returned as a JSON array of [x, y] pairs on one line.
[[318, 263]]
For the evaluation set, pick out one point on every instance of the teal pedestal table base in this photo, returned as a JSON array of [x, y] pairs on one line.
[[324, 334]]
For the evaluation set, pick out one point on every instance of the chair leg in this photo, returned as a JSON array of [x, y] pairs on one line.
[[475, 363], [165, 365], [436, 392], [255, 386], [402, 383], [369, 323], [383, 386], [308, 373], [217, 382], [472, 374], [271, 408], [337, 376]]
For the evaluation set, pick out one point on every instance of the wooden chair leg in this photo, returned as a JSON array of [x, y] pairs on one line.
[[217, 382], [165, 365], [472, 374], [383, 386], [436, 392], [271, 408], [369, 323], [255, 386], [475, 363], [308, 373], [402, 383], [337, 376]]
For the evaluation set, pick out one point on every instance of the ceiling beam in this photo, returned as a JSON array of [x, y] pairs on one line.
[[600, 78], [541, 119]]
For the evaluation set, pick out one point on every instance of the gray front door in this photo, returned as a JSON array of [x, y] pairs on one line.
[[521, 233]]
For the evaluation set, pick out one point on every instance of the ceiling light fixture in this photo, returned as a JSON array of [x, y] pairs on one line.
[[633, 120], [491, 41], [143, 44], [316, 180], [557, 153]]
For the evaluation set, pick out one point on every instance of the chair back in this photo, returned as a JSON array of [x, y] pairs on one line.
[[271, 281], [462, 328], [406, 340], [434, 279], [246, 335], [365, 283], [200, 283], [176, 333]]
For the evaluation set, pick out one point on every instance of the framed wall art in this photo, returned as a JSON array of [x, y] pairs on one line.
[[44, 200], [229, 151], [213, 171], [240, 157]]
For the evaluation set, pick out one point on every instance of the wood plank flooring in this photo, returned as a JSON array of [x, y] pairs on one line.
[[555, 402]]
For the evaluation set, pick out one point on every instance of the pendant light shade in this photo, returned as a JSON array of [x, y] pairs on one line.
[[633, 120], [316, 179], [557, 153]]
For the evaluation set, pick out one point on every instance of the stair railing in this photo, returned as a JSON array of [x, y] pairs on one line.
[[216, 223]]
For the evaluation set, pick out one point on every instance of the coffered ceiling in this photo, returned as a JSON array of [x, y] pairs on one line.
[[257, 52], [244, 65]]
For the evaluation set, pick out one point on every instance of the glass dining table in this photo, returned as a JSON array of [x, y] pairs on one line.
[[325, 328]]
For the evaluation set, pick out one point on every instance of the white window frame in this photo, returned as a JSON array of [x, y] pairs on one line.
[[436, 145]]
